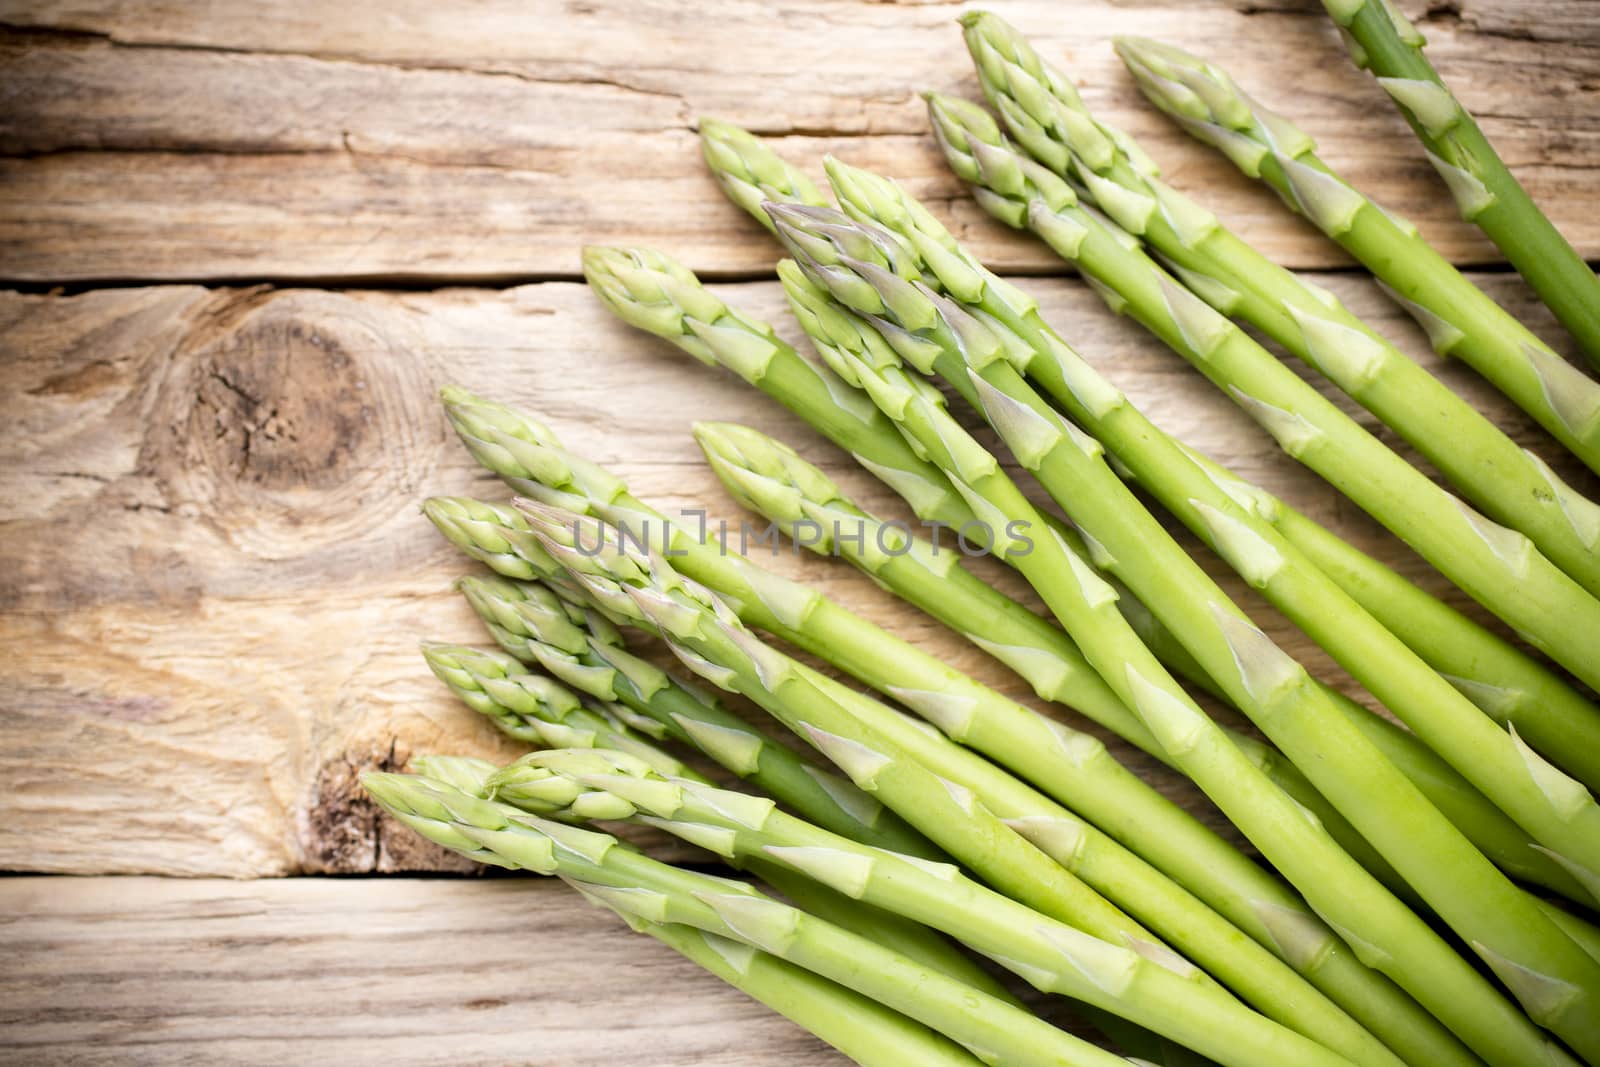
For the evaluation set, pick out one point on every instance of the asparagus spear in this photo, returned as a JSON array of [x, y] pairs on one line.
[[1498, 567], [1075, 683], [1460, 319], [1509, 685], [1382, 40], [635, 885], [860, 1022], [1511, 485], [541, 711], [773, 480], [482, 680], [676, 710], [710, 639], [860, 1027], [749, 174], [1278, 693], [538, 710], [1555, 809], [1081, 849], [659, 295], [1072, 767]]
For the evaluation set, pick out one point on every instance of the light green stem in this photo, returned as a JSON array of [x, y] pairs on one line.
[[1269, 686], [1073, 767], [1382, 40], [1554, 809], [631, 883], [1461, 320], [1510, 484]]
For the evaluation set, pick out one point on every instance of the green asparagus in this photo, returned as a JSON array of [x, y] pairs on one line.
[[1072, 767], [711, 641], [1382, 40], [748, 174], [770, 478], [1498, 567], [1556, 810], [1075, 683], [1274, 689], [1460, 320], [1509, 685], [661, 704], [633, 884], [540, 711], [875, 1030], [1510, 484], [480, 679]]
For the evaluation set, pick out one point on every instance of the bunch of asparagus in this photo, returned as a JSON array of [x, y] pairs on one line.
[[1425, 895]]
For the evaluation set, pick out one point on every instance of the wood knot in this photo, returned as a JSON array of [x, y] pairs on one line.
[[343, 831], [296, 419]]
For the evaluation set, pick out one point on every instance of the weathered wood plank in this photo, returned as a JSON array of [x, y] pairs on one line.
[[234, 140], [323, 971], [215, 573]]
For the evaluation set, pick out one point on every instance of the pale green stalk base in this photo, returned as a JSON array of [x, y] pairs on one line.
[[859, 1027]]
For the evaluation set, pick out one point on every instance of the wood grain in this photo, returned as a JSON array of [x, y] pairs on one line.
[[324, 971], [217, 574], [423, 142]]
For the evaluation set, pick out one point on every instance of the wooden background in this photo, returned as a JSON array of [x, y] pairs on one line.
[[242, 244]]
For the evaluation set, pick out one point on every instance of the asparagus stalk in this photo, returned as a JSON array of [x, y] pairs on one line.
[[543, 712], [1382, 40], [1278, 693], [860, 1027], [1072, 767], [711, 641], [1460, 319], [1510, 686], [656, 698], [660, 305], [607, 567], [633, 884], [1498, 567], [1506, 683], [659, 295], [538, 710], [1511, 485], [1549, 805], [773, 480], [482, 680], [878, 1031]]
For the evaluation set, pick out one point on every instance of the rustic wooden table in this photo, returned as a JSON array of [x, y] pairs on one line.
[[244, 243]]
